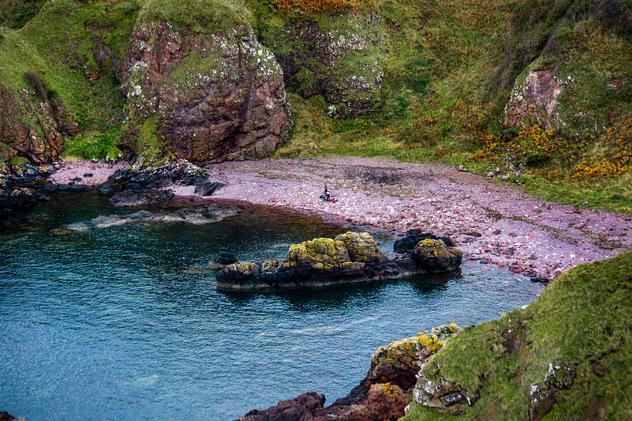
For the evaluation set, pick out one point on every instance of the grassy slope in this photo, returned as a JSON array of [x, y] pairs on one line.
[[447, 82], [584, 317], [449, 68], [16, 13], [57, 45]]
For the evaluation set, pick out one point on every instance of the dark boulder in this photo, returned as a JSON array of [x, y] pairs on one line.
[[297, 409], [141, 185], [412, 237], [434, 256], [207, 188]]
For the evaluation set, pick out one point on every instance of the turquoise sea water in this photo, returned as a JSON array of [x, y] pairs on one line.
[[124, 323]]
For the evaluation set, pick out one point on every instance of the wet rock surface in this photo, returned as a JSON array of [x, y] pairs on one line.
[[22, 187], [349, 258], [412, 237], [382, 395], [435, 256], [140, 185], [5, 416]]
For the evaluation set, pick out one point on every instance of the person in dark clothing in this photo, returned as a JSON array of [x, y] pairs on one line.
[[327, 197]]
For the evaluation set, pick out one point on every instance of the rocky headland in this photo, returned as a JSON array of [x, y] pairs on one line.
[[382, 395]]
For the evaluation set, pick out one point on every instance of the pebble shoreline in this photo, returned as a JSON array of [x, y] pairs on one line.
[[490, 222]]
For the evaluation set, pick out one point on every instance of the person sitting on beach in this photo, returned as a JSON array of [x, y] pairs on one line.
[[327, 197]]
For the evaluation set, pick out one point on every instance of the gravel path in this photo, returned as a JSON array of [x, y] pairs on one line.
[[490, 222]]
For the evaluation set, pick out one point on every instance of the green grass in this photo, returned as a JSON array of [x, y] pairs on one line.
[[200, 16], [583, 317], [449, 67], [57, 46]]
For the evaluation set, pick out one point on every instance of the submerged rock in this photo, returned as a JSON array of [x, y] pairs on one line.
[[195, 216], [348, 258]]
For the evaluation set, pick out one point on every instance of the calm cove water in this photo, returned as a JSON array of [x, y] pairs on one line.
[[124, 322]]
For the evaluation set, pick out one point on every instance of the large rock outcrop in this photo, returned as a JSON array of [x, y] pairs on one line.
[[349, 258], [33, 123], [534, 101], [204, 97], [382, 395]]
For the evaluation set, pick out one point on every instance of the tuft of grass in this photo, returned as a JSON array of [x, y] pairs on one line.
[[582, 319], [98, 145], [200, 16]]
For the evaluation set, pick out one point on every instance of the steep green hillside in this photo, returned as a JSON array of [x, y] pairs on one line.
[[450, 69], [581, 323], [467, 82], [64, 46]]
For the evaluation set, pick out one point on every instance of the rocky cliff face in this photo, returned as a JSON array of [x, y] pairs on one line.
[[214, 97], [33, 123]]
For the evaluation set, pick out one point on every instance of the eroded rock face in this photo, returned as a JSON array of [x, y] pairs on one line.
[[382, 395], [211, 97], [32, 124], [534, 101]]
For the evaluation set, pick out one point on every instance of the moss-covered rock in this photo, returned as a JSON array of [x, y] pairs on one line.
[[213, 92], [384, 392], [435, 256], [361, 247], [319, 254], [241, 271]]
